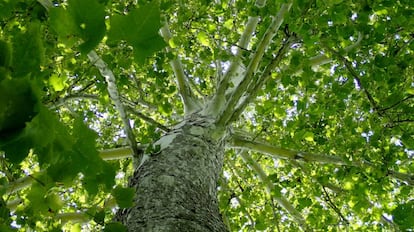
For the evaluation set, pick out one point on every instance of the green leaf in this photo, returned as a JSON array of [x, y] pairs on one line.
[[54, 202], [6, 8], [99, 217], [4, 211], [28, 51], [261, 223], [308, 136], [5, 54], [304, 202], [203, 38], [107, 175], [115, 227], [140, 29], [124, 196], [84, 19], [403, 215], [17, 104], [410, 91], [6, 228], [58, 83], [37, 198]]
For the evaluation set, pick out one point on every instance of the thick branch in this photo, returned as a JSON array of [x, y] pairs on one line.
[[282, 153], [12, 205], [191, 103], [115, 97], [253, 65], [241, 142], [47, 4], [218, 100], [117, 153], [73, 217], [19, 184], [253, 89]]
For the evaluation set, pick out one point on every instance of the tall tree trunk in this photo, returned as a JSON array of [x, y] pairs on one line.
[[176, 188]]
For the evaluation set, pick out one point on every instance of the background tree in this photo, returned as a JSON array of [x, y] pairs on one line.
[[283, 115]]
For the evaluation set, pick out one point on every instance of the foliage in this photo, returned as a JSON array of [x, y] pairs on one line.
[[328, 132]]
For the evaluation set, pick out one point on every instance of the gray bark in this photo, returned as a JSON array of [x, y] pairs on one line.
[[176, 189]]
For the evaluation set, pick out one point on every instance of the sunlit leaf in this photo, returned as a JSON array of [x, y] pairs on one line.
[[203, 38], [58, 83]]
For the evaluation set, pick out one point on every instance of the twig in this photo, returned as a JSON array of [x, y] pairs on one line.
[[355, 75], [148, 119], [333, 206]]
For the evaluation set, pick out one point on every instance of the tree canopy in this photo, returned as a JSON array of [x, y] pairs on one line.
[[317, 99]]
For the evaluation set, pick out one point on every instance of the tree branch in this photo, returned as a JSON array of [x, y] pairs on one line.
[[115, 97], [238, 140], [323, 59], [75, 96], [282, 153], [269, 187], [113, 93], [237, 93], [117, 153], [191, 103], [216, 104], [333, 206], [148, 119], [74, 217], [253, 89], [19, 184], [337, 190], [397, 103], [47, 4]]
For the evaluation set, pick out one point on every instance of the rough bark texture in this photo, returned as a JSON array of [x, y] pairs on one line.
[[176, 189]]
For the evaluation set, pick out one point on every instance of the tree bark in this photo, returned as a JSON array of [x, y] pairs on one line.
[[176, 188]]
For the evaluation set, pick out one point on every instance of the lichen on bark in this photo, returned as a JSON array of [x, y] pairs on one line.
[[176, 188]]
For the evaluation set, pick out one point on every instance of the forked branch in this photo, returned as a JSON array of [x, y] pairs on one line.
[[253, 89], [190, 101], [248, 77], [230, 77]]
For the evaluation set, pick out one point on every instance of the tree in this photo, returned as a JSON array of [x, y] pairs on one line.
[[206, 115]]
